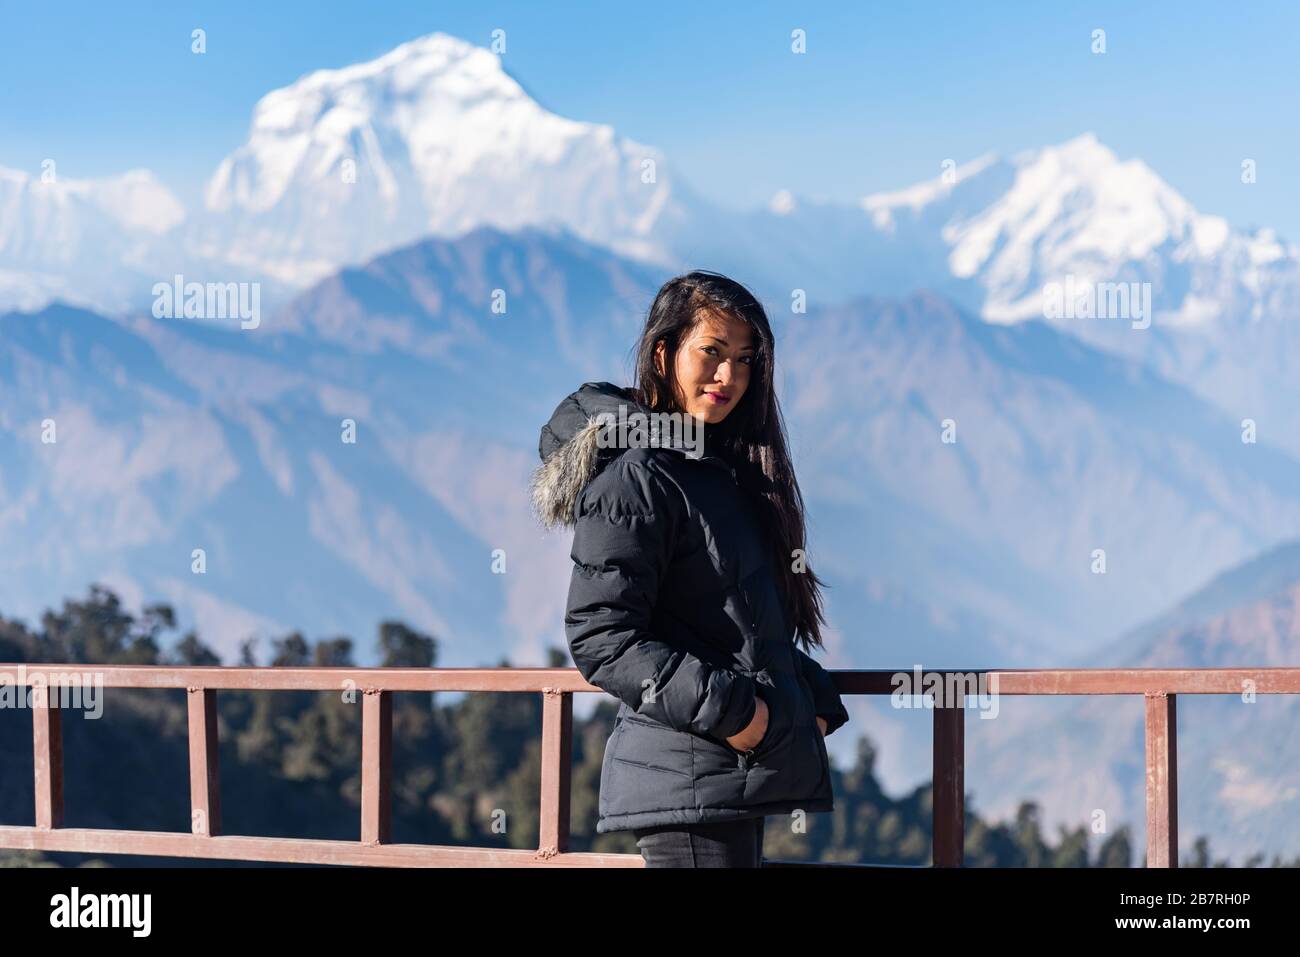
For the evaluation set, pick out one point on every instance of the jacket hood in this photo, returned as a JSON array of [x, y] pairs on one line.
[[571, 453], [568, 447]]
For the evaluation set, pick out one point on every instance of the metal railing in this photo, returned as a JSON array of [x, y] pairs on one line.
[[1159, 687]]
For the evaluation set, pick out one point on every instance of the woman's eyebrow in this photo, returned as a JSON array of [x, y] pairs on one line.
[[724, 342]]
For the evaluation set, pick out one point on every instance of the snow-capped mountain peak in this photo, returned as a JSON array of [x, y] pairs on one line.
[[420, 82], [432, 138], [1011, 226], [1082, 195]]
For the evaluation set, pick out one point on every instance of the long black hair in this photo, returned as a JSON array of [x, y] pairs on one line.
[[752, 438]]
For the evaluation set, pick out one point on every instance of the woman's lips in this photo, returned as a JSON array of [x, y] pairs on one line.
[[718, 398]]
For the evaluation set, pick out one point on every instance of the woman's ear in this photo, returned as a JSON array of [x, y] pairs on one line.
[[659, 356]]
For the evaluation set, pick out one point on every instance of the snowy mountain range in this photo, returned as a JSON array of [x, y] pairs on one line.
[[436, 138]]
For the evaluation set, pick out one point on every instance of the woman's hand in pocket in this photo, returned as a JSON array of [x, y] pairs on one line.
[[754, 731], [821, 723]]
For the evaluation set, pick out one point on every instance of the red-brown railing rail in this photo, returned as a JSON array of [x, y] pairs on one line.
[[1159, 687]]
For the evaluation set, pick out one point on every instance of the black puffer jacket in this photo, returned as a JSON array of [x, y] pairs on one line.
[[674, 609]]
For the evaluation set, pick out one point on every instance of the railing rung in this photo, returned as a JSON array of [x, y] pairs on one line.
[[557, 765], [376, 766], [949, 785], [205, 771], [47, 757], [1162, 779]]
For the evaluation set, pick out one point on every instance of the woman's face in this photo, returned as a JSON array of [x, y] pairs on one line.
[[712, 366]]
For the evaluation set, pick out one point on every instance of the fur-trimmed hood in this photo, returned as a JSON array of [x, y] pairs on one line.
[[570, 452]]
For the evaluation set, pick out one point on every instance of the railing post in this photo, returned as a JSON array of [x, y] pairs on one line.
[[47, 756], [557, 768], [1162, 779], [376, 766], [205, 773], [949, 781]]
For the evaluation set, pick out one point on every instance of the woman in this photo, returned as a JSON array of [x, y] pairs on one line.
[[690, 587]]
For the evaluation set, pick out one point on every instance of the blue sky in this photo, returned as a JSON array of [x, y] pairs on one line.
[[883, 95]]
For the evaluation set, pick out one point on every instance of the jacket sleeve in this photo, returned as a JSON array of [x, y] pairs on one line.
[[826, 698], [627, 523]]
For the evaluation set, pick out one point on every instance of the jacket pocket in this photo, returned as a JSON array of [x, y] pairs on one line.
[[791, 766], [780, 715]]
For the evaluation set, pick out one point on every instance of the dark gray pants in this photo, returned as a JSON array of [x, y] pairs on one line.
[[711, 844]]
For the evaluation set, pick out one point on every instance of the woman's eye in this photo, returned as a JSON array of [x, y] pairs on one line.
[[748, 360]]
